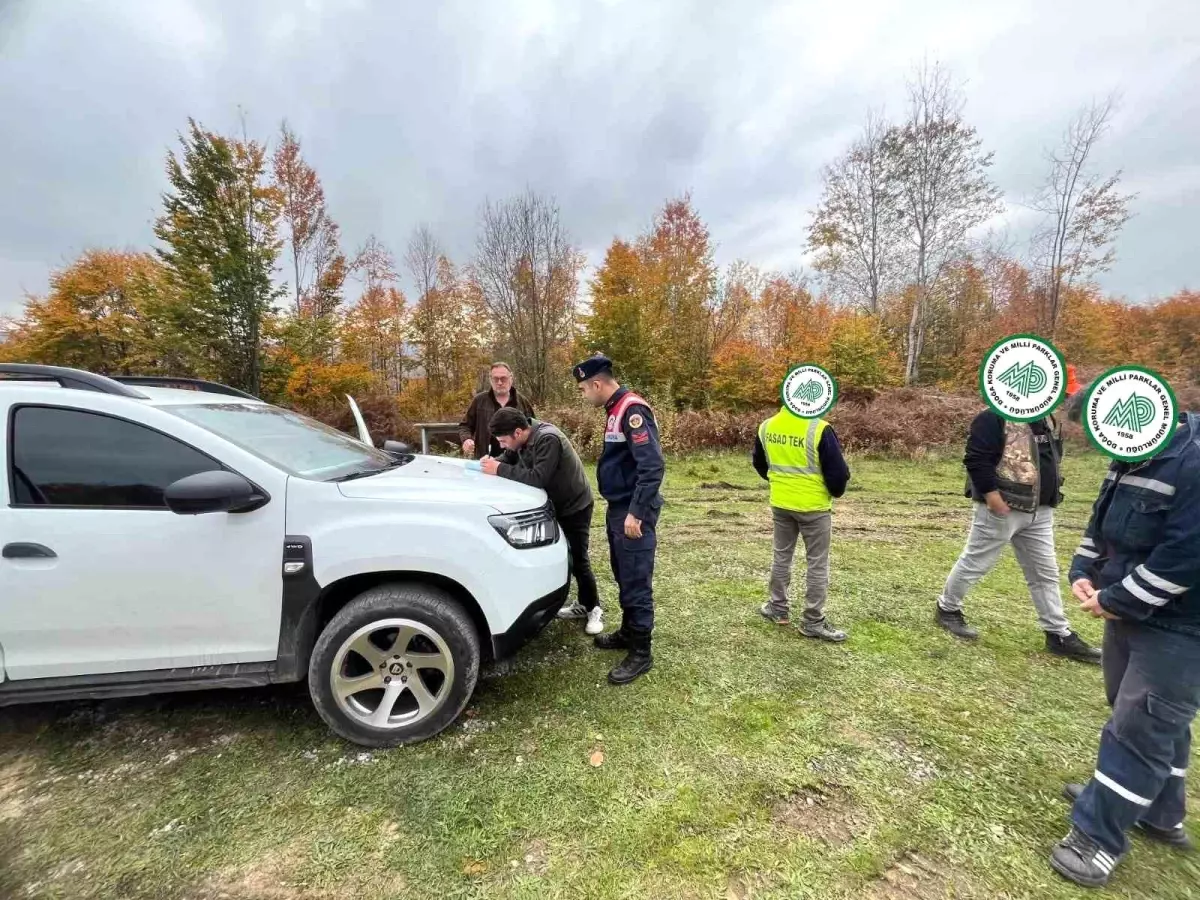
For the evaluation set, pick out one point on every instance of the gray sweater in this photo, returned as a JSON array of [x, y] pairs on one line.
[[550, 462]]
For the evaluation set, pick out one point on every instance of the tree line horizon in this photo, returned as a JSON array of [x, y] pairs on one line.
[[250, 284]]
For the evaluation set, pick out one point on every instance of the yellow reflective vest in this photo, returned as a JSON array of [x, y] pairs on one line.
[[790, 443]]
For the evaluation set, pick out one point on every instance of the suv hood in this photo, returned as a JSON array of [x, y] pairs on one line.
[[438, 479]]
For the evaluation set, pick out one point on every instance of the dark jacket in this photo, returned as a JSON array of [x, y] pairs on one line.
[[476, 424], [834, 471], [1141, 548], [548, 461], [631, 467], [988, 468]]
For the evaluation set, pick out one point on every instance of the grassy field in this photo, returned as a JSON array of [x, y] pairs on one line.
[[751, 762]]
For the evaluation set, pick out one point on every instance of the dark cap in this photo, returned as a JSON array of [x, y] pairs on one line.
[[592, 367], [506, 420]]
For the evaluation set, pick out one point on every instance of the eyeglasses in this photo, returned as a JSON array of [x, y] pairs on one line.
[[501, 378]]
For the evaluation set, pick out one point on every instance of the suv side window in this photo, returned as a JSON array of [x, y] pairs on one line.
[[70, 457]]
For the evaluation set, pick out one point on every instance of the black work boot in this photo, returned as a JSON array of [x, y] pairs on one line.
[[636, 663], [1083, 861], [1172, 837], [954, 623], [614, 640], [1072, 646]]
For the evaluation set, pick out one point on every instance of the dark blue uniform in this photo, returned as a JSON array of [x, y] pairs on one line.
[[630, 473], [1141, 550]]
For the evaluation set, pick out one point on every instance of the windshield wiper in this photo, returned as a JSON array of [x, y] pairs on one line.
[[366, 473]]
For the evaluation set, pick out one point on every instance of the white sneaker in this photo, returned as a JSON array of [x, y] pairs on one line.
[[595, 621]]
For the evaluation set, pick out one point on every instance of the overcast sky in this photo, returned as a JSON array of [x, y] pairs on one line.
[[416, 111]]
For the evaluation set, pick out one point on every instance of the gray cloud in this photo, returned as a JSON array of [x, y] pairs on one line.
[[418, 111]]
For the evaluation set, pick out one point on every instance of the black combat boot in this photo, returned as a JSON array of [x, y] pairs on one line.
[[636, 663], [1072, 646], [614, 640], [954, 623]]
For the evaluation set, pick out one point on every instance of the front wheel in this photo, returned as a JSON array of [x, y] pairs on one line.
[[396, 665]]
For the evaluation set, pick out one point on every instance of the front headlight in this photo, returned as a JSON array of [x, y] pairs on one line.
[[536, 528]]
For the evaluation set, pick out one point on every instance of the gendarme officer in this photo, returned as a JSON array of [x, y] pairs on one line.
[[630, 473]]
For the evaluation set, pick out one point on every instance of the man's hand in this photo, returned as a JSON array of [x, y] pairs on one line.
[[490, 465], [1092, 605], [468, 447], [1083, 589], [996, 503], [633, 527]]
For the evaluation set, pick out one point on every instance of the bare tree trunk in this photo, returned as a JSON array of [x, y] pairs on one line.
[[528, 273], [912, 362], [942, 187], [422, 260], [1085, 213]]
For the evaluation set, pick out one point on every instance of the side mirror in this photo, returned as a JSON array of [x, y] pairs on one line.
[[396, 448], [210, 492]]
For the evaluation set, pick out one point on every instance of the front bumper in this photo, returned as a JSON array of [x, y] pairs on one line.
[[529, 624]]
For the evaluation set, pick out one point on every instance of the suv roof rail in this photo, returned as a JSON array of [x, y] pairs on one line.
[[77, 379], [190, 384]]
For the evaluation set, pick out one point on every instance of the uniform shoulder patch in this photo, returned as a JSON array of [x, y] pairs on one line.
[[636, 421], [642, 437]]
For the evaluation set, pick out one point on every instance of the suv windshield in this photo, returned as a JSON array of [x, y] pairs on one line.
[[295, 443]]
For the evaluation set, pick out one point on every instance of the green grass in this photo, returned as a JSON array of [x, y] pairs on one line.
[[933, 767]]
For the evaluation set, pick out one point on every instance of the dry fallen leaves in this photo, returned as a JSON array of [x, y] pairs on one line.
[[596, 759], [474, 868]]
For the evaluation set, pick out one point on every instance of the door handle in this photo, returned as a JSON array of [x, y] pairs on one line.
[[28, 551]]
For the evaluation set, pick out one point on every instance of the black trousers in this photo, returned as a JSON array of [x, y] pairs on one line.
[[576, 528]]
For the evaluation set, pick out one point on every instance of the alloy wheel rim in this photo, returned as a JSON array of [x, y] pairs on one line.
[[392, 673]]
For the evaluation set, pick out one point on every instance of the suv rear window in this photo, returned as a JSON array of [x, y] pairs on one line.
[[70, 457]]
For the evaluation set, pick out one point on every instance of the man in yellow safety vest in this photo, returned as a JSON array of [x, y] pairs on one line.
[[803, 461]]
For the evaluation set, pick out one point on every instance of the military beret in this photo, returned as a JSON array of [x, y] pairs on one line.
[[592, 367]]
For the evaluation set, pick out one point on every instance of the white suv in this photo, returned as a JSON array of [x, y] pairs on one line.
[[161, 539]]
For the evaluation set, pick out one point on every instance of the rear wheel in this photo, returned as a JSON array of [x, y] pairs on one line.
[[396, 665]]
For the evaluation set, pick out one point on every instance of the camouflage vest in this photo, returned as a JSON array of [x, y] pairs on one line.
[[1019, 472]]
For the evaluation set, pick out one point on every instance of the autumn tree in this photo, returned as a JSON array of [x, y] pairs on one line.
[[1176, 335], [423, 259], [680, 281], [621, 324], [375, 332], [940, 171], [319, 268], [95, 316], [467, 335], [855, 228], [218, 228], [732, 306], [527, 270], [858, 357], [1083, 212], [959, 310]]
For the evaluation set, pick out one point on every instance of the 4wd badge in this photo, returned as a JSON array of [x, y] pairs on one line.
[[1129, 413], [808, 391]]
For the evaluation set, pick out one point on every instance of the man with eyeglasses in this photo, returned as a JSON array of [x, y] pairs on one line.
[[475, 429]]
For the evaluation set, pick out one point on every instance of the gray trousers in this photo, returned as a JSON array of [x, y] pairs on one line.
[[817, 529], [1032, 538]]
